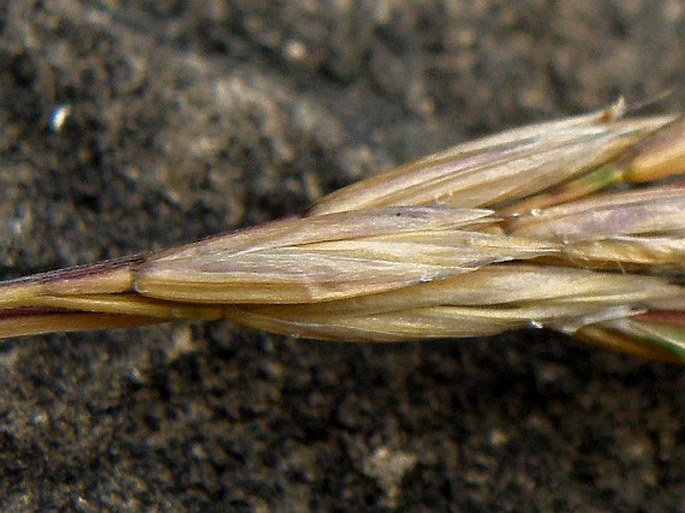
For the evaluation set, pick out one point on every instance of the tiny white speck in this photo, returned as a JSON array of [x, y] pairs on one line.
[[296, 50], [498, 437], [59, 117], [535, 212], [535, 324]]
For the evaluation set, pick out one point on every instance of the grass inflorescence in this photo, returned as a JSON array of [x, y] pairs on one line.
[[576, 225]]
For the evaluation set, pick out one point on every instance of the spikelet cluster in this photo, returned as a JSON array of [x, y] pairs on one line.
[[576, 225]]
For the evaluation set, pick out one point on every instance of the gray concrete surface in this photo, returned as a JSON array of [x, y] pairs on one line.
[[189, 118]]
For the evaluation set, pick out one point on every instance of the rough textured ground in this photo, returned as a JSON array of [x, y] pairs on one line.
[[188, 118]]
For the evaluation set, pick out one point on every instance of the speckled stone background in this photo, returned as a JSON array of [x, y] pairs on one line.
[[181, 119]]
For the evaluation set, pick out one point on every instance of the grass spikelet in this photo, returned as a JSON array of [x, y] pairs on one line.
[[576, 225]]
